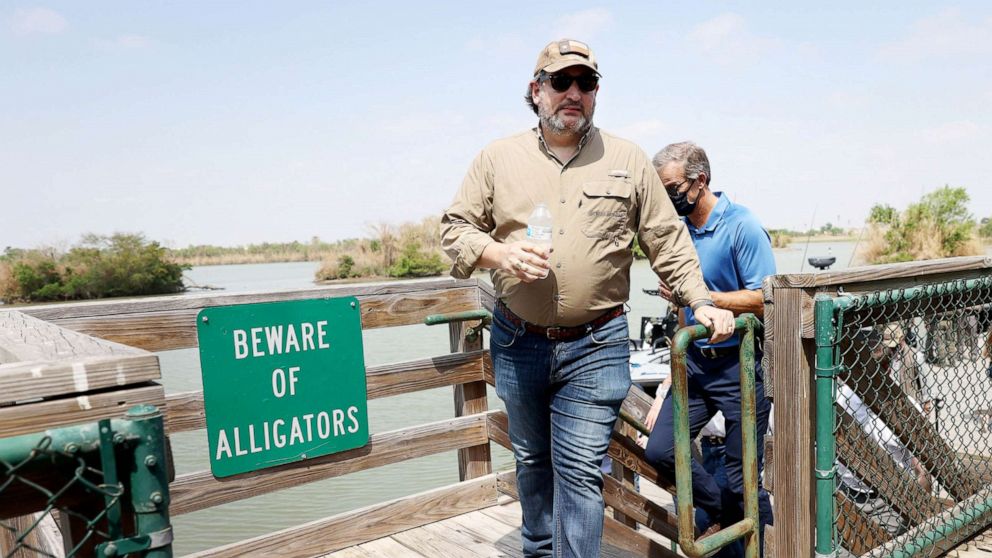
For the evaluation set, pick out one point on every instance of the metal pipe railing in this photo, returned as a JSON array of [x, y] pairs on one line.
[[746, 528]]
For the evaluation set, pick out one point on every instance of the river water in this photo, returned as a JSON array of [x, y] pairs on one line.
[[286, 508]]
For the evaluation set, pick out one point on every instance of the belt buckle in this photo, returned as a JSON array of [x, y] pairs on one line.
[[552, 333]]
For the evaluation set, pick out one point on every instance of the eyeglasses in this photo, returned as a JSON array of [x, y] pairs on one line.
[[562, 82], [674, 189]]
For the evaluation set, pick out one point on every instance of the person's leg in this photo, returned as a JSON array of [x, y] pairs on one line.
[[591, 378], [521, 365], [660, 450], [714, 461], [723, 385]]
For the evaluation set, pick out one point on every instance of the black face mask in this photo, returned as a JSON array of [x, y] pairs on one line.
[[682, 204]]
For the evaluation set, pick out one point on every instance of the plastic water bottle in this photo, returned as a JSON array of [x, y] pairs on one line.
[[539, 226]]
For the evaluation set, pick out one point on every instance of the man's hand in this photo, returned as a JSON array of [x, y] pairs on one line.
[[720, 322], [522, 259]]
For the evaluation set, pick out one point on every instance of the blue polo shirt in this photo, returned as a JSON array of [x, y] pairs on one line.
[[735, 253]]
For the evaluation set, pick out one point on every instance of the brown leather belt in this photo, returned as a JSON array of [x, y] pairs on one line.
[[556, 333]]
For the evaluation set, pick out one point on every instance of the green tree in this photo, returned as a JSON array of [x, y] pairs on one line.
[[985, 230], [937, 226], [413, 262], [100, 266], [345, 266]]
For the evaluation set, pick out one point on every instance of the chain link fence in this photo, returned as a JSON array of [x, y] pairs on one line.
[[90, 490], [23, 481], [912, 417]]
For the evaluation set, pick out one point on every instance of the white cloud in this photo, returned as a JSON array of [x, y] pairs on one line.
[[583, 25], [29, 21], [943, 34], [727, 40], [950, 132]]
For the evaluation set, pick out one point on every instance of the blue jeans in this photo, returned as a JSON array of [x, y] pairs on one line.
[[562, 399], [715, 462], [714, 385]]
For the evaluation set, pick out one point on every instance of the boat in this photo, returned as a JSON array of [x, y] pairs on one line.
[[650, 354], [823, 262]]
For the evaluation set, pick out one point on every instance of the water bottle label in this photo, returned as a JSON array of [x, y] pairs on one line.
[[538, 233]]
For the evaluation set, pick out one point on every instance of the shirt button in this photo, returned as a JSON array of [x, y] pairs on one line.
[[557, 298], [561, 231], [558, 265], [563, 200]]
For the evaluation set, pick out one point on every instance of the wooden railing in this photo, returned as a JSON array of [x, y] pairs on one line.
[[789, 365], [71, 363]]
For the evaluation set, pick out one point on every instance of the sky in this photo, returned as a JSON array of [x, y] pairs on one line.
[[230, 123]]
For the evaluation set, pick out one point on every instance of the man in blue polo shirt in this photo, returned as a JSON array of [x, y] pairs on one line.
[[735, 253]]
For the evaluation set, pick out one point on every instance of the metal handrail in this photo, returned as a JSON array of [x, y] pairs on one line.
[[746, 528]]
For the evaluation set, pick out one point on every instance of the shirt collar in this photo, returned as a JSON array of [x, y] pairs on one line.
[[722, 204], [582, 142]]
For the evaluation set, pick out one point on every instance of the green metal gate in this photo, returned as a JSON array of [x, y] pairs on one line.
[[904, 419], [107, 482]]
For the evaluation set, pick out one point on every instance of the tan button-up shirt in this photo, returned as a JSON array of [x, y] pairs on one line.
[[599, 200]]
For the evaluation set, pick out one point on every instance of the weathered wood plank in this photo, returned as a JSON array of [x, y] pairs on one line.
[[498, 428], [386, 547], [614, 532], [199, 490], [875, 467], [36, 417], [858, 533], [857, 289], [470, 399], [768, 337], [435, 540], [142, 305], [869, 378], [45, 537], [43, 360], [637, 403], [22, 381], [642, 510], [504, 538], [880, 272], [184, 411], [365, 524], [487, 295], [630, 455], [172, 325], [428, 373], [23, 337], [632, 543], [794, 432]]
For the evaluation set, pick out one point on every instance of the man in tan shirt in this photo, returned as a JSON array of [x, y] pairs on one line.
[[559, 338]]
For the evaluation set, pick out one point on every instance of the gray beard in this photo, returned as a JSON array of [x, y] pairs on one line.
[[554, 124]]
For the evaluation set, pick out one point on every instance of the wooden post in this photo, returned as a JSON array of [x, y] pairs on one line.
[[470, 398], [794, 429]]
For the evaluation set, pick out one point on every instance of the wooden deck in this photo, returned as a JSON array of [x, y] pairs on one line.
[[490, 532]]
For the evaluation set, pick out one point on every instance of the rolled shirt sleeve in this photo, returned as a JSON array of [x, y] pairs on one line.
[[666, 242], [466, 225]]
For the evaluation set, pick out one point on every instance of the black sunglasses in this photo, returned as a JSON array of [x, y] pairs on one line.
[[562, 82]]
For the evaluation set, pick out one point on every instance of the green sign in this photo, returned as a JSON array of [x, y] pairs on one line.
[[282, 382]]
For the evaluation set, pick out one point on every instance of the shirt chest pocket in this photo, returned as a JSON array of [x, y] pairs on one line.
[[605, 208]]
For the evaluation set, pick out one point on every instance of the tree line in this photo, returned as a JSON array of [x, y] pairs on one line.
[[126, 264]]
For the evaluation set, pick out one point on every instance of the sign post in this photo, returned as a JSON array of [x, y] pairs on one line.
[[282, 382]]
